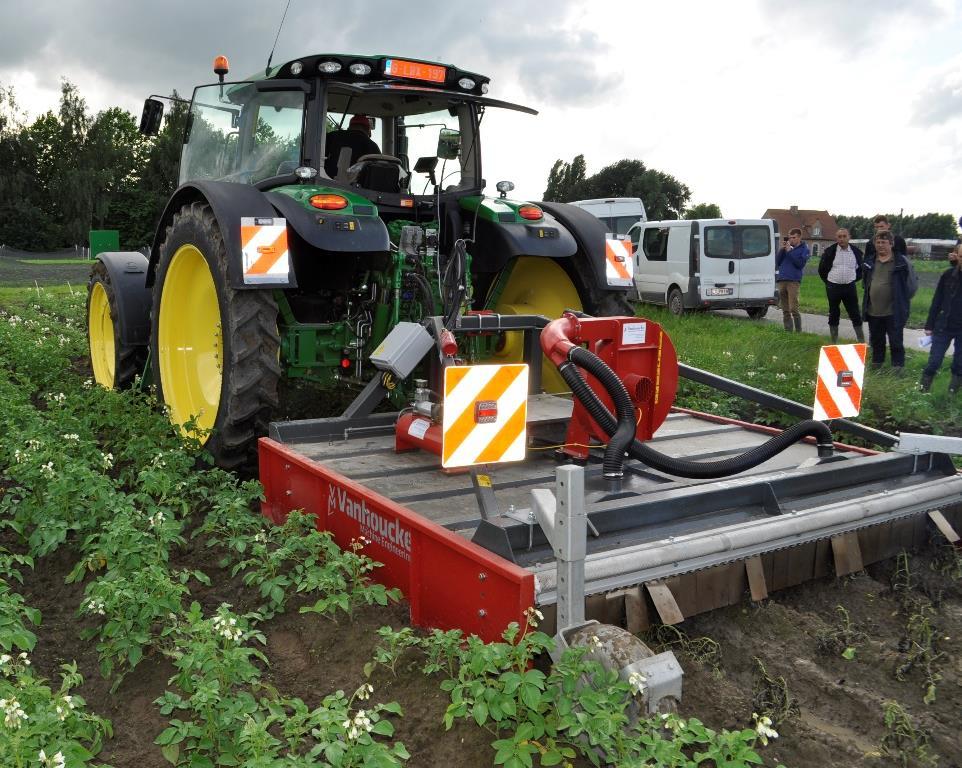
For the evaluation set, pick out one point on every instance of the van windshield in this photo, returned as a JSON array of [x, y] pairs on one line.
[[619, 225], [738, 242]]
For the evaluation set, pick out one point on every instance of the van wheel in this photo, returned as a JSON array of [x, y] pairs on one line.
[[757, 313], [676, 304]]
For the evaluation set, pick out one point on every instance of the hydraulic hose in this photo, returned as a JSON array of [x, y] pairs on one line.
[[422, 281], [624, 433], [670, 464]]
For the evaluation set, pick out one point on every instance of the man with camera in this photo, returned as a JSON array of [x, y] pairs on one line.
[[789, 269]]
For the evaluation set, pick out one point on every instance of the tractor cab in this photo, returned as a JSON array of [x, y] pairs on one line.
[[322, 204]]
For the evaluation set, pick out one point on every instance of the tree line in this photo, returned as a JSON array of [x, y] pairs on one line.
[[940, 226], [70, 171]]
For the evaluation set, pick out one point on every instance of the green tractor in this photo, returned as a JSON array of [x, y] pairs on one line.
[[321, 204]]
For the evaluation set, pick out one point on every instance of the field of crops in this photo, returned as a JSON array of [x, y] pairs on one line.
[[150, 616]]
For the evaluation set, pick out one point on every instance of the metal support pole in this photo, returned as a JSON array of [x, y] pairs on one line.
[[564, 520], [573, 529]]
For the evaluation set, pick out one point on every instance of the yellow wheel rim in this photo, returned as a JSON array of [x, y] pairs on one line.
[[190, 348], [100, 330], [536, 287]]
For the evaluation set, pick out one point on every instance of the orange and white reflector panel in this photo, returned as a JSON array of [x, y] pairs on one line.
[[485, 414], [838, 389], [266, 257], [619, 266]]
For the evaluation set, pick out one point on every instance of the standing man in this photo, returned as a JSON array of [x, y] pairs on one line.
[[886, 299], [881, 223], [944, 325], [841, 267], [789, 270]]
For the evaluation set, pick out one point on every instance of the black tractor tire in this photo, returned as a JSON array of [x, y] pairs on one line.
[[250, 343], [757, 313], [600, 302], [120, 365], [676, 302]]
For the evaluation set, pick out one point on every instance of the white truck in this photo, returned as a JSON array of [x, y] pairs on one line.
[[706, 264], [617, 213]]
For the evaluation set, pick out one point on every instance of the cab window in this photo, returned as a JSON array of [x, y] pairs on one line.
[[756, 241], [720, 242], [655, 244]]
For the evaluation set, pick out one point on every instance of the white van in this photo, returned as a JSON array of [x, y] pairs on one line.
[[618, 213], [706, 264]]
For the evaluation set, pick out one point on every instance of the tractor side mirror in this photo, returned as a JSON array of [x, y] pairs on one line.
[[449, 144], [151, 116]]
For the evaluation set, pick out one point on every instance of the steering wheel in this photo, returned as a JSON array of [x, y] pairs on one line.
[[355, 170]]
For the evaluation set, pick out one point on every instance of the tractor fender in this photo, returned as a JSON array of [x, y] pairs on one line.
[[327, 232], [496, 243], [128, 278], [230, 202], [589, 233]]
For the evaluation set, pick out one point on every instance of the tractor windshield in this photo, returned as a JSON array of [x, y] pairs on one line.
[[236, 133], [402, 127]]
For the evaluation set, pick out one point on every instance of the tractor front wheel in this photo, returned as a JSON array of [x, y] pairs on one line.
[[215, 348], [115, 364]]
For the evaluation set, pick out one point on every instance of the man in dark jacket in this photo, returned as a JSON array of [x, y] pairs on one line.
[[881, 223], [886, 300], [841, 267], [789, 269], [357, 137], [944, 325]]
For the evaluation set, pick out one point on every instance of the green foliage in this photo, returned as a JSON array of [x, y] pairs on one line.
[[841, 639], [903, 740], [663, 195], [703, 211], [770, 695], [577, 709], [929, 225], [68, 172], [38, 723]]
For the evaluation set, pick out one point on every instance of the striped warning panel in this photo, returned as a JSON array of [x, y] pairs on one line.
[[265, 253], [619, 267], [838, 389], [484, 414]]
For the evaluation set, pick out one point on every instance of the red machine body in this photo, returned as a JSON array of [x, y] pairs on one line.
[[637, 350], [414, 431]]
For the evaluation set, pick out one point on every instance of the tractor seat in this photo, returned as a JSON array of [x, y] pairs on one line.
[[380, 173]]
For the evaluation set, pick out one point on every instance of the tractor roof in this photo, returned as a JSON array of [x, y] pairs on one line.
[[351, 68]]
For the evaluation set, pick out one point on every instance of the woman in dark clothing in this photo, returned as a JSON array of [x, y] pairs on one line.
[[886, 300], [944, 325]]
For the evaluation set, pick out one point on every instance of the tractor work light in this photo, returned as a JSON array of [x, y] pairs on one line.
[[530, 212], [467, 83], [360, 69], [305, 172], [484, 87], [297, 68], [329, 67], [504, 187], [328, 202]]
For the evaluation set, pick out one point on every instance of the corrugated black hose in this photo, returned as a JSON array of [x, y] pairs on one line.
[[657, 460]]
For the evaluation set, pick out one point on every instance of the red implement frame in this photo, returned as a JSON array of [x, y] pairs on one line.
[[449, 582]]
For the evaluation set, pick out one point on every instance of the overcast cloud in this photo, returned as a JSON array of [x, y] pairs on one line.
[[851, 106]]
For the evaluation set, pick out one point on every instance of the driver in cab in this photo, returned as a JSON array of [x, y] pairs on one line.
[[357, 137]]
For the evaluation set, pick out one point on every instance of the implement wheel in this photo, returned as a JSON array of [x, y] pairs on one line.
[[215, 348], [115, 364]]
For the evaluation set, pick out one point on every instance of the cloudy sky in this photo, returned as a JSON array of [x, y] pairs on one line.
[[850, 105]]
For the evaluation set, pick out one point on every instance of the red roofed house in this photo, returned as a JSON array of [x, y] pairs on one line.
[[818, 227]]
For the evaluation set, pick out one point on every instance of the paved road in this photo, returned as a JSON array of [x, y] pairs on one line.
[[819, 324]]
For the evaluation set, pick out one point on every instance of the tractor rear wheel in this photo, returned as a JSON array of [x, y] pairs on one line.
[[215, 348], [540, 286], [115, 364]]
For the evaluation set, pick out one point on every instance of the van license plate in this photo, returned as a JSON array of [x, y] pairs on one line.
[[719, 291]]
